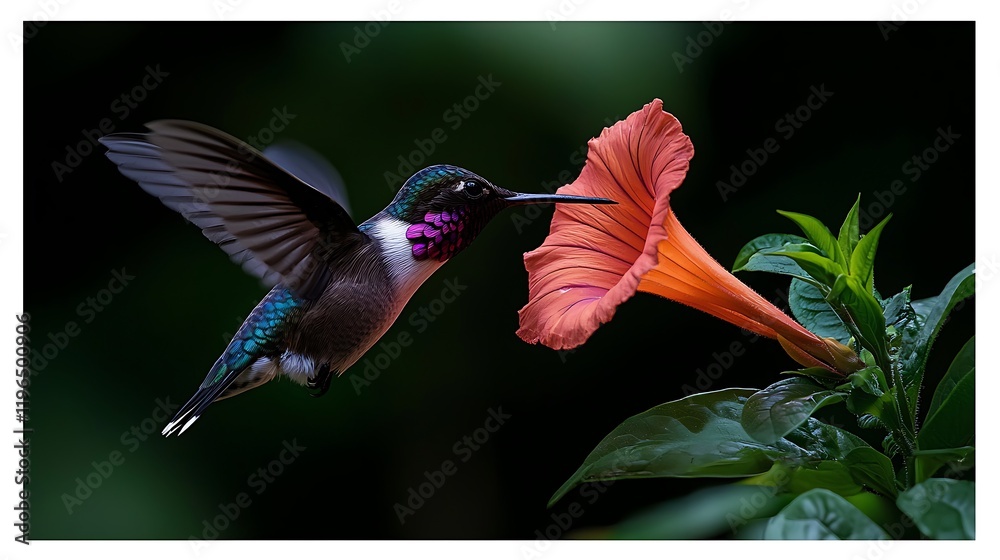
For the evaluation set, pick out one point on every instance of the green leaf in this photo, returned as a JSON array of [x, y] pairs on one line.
[[822, 515], [753, 256], [790, 479], [928, 461], [870, 394], [951, 418], [881, 407], [942, 508], [870, 468], [811, 309], [822, 442], [931, 314], [950, 424], [883, 511], [830, 475], [870, 380], [704, 513], [898, 311], [863, 258], [866, 313], [850, 231], [820, 375], [844, 474], [701, 436], [773, 412], [960, 454], [962, 366], [817, 266], [820, 236]]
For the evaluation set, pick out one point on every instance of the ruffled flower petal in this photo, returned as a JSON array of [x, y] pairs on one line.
[[595, 256]]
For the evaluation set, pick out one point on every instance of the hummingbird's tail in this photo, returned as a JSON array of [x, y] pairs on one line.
[[250, 359], [197, 404]]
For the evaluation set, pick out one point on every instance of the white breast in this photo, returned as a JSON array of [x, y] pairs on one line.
[[407, 273]]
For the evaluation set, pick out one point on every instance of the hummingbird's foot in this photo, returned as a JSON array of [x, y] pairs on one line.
[[320, 383]]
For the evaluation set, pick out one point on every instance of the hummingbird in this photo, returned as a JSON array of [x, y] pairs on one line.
[[336, 286]]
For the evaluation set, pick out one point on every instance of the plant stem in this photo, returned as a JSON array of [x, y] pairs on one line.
[[907, 430]]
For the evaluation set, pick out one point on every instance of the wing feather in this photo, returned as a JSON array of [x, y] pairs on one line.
[[272, 223]]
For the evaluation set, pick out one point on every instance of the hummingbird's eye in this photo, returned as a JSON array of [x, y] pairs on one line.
[[473, 189]]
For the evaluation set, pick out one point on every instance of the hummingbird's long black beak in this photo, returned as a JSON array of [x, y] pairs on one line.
[[518, 199]]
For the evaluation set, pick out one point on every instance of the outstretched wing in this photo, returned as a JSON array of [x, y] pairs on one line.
[[311, 167], [276, 226]]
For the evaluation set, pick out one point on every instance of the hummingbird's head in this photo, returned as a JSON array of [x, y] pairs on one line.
[[448, 207]]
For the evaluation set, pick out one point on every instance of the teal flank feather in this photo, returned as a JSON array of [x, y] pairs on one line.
[[262, 335]]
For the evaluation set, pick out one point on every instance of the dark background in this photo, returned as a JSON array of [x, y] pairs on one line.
[[559, 87]]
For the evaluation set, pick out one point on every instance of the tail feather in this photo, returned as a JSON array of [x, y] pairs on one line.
[[220, 377], [261, 337], [193, 409]]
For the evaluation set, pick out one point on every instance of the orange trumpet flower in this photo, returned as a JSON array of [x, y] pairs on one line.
[[596, 257]]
